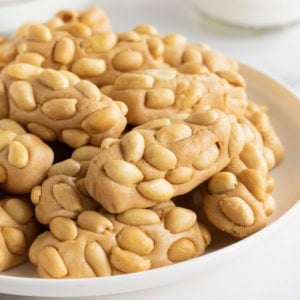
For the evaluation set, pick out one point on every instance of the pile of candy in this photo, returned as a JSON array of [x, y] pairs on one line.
[[148, 117]]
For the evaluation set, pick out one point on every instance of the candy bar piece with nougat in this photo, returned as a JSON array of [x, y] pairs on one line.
[[163, 92], [238, 199], [18, 230], [100, 244], [161, 159], [58, 106]]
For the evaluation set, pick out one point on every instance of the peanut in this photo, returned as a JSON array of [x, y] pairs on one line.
[[156, 190], [182, 249]]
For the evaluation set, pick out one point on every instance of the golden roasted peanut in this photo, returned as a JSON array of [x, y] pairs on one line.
[[3, 174], [261, 121], [41, 131], [204, 118], [232, 77], [89, 67], [97, 259], [269, 205], [173, 133], [133, 146], [93, 221], [123, 172], [180, 219], [156, 47], [159, 98], [127, 60], [75, 138], [145, 29], [32, 58], [135, 240], [21, 71], [180, 175], [76, 29], [100, 42], [162, 74], [138, 216], [156, 189], [255, 182], [14, 239], [207, 157], [270, 157], [18, 155], [67, 197], [192, 55], [35, 194], [175, 39], [38, 33], [51, 261], [54, 79], [101, 120], [181, 250], [69, 167], [85, 153], [122, 107], [18, 210], [10, 125], [133, 81], [22, 94], [60, 108], [252, 157], [160, 157], [89, 90], [222, 182], [128, 262], [64, 51], [192, 68], [270, 184], [63, 228], [237, 211], [6, 136], [73, 79], [191, 97], [236, 140], [130, 36]]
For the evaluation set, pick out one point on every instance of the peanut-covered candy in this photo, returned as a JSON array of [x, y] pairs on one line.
[[57, 105], [18, 228], [76, 23], [163, 92], [63, 193], [100, 244], [238, 199], [99, 58], [24, 158], [273, 148], [161, 159]]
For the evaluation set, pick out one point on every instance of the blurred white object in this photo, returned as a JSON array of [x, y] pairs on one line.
[[252, 13], [14, 13]]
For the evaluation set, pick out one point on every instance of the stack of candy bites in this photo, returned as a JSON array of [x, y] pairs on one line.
[[145, 117]]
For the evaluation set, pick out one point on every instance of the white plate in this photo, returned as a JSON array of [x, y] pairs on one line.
[[284, 109]]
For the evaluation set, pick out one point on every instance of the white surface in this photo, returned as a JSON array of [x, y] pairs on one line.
[[253, 13], [266, 270]]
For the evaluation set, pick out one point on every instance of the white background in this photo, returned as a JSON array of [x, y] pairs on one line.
[[271, 270]]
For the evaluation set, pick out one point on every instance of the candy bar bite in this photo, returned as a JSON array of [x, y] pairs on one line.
[[163, 92], [161, 159], [103, 244], [24, 158], [18, 229], [57, 105], [238, 199]]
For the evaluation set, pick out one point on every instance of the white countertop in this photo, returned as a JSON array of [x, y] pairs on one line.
[[272, 270]]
